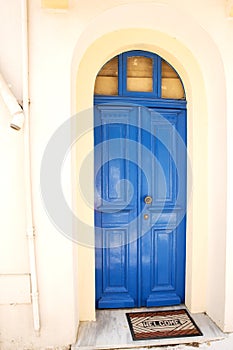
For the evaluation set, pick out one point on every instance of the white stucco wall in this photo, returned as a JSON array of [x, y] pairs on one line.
[[58, 43]]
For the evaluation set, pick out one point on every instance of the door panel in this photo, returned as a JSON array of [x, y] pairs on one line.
[[164, 267], [115, 261], [140, 248], [116, 207], [163, 245], [160, 136], [163, 256], [161, 192]]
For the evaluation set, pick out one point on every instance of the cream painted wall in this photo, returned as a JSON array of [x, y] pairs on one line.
[[194, 36]]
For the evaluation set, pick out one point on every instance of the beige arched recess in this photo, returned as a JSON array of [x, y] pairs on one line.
[[94, 58], [202, 120]]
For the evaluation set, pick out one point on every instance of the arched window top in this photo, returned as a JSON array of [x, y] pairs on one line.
[[139, 74]]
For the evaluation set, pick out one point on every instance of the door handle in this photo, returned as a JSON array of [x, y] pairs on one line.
[[148, 199]]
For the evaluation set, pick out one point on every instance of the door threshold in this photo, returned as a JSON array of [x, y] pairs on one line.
[[110, 331]]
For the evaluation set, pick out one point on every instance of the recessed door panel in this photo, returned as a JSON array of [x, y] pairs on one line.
[[163, 260], [115, 261]]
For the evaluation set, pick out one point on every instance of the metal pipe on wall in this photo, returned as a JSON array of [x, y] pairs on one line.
[[27, 165]]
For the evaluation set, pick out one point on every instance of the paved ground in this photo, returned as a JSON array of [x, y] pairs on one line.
[[111, 332], [226, 344]]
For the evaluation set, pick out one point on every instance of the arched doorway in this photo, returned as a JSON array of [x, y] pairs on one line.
[[86, 68], [140, 198]]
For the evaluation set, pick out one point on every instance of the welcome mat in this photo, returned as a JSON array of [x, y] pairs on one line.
[[162, 324]]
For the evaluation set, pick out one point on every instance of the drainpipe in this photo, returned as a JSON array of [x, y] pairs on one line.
[[27, 165]]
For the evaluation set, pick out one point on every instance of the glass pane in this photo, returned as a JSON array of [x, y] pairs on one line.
[[171, 83], [107, 79], [139, 74]]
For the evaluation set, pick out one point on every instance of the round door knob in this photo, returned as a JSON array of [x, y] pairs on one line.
[[148, 199]]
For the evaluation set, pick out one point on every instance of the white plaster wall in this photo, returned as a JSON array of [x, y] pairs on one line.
[[54, 57], [10, 39], [13, 247], [56, 270], [229, 240]]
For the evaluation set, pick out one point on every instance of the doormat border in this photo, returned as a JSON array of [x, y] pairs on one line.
[[162, 337]]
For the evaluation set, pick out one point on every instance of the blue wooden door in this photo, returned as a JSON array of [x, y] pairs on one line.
[[140, 202]]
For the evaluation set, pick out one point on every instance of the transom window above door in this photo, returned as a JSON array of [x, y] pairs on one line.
[[139, 74]]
